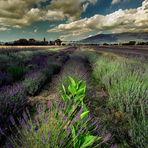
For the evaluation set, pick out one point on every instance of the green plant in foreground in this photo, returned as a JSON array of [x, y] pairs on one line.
[[75, 91], [83, 140]]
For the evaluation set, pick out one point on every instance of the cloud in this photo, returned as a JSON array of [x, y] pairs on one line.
[[118, 1], [35, 30], [115, 1], [4, 29], [24, 12], [17, 12], [129, 20], [71, 8]]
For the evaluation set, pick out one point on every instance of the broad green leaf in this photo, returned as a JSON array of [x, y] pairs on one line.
[[84, 114], [74, 137], [82, 84], [72, 90], [64, 88], [65, 97], [88, 141], [81, 91], [79, 83], [72, 81], [79, 97]]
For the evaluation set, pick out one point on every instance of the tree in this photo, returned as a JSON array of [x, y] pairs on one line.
[[58, 42]]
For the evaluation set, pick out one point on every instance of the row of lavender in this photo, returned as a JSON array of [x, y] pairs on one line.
[[23, 73]]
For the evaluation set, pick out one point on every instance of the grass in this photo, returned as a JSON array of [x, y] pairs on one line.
[[126, 87], [43, 132]]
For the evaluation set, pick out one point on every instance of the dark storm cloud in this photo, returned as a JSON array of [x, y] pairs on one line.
[[18, 13]]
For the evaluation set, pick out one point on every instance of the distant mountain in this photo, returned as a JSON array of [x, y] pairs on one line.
[[116, 38]]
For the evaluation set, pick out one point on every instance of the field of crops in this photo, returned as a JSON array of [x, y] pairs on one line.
[[72, 98]]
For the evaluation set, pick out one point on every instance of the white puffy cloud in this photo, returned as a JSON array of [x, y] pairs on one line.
[[129, 20], [4, 29]]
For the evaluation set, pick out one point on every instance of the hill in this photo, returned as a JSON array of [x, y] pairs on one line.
[[116, 38]]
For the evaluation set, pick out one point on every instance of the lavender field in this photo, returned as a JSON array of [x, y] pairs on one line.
[[72, 97]]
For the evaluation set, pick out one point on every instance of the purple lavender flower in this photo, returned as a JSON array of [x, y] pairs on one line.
[[43, 139], [12, 120], [94, 123], [60, 105], [49, 135], [25, 116], [49, 104], [29, 126], [34, 75], [96, 128], [33, 81], [21, 122], [80, 131], [79, 113], [12, 90], [4, 78], [64, 118], [28, 113], [113, 146], [61, 142], [1, 131], [12, 99], [69, 130], [8, 145], [40, 60], [107, 137], [90, 116]]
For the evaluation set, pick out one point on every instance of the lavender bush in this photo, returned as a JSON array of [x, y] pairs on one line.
[[12, 100], [52, 128], [126, 82], [5, 78], [17, 72], [34, 81]]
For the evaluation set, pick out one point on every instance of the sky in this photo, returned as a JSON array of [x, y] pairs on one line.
[[70, 19]]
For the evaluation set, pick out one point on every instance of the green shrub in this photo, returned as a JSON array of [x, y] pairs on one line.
[[16, 71], [104, 68], [126, 87], [76, 90], [34, 81]]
